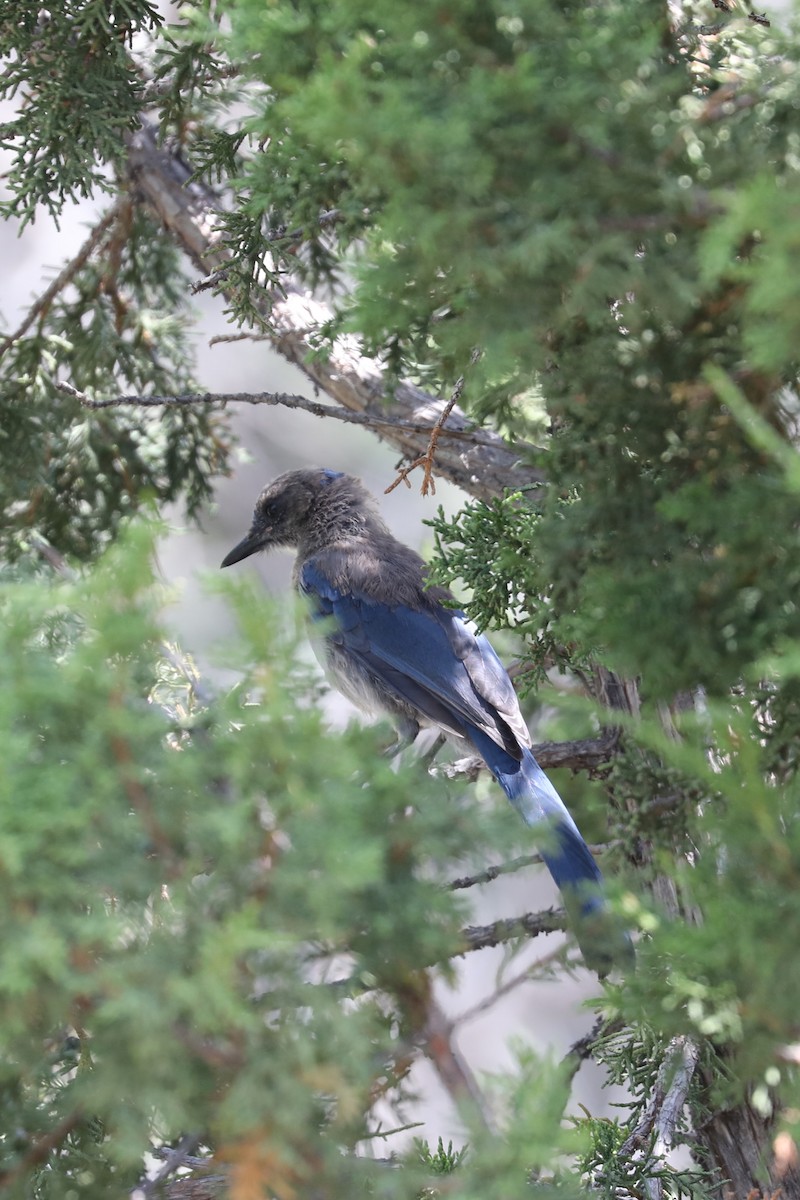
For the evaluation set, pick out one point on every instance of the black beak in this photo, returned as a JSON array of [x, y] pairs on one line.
[[247, 546]]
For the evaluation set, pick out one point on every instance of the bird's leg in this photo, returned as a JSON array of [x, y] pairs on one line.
[[430, 754], [407, 729]]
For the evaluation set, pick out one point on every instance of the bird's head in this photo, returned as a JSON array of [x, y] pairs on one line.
[[285, 510]]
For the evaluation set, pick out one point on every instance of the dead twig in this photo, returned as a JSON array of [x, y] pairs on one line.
[[426, 460], [540, 967], [283, 399]]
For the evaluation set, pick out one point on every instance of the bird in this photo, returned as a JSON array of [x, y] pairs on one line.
[[395, 644]]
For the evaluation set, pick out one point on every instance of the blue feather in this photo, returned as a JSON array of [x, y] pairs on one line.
[[434, 664]]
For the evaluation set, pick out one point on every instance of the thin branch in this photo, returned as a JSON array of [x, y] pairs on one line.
[[54, 558], [473, 436], [176, 1159], [67, 273], [538, 968], [248, 336], [426, 460], [583, 1048], [508, 929], [281, 234], [513, 865], [211, 281], [582, 754], [471, 937]]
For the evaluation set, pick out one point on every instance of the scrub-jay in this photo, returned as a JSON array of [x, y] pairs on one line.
[[391, 645]]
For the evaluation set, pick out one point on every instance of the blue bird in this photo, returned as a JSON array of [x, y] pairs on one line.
[[393, 647]]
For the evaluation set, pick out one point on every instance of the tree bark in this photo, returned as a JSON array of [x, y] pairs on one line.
[[740, 1148]]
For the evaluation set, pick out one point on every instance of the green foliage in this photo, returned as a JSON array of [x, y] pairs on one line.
[[440, 1161], [633, 1058], [729, 978], [491, 549], [119, 327], [116, 319], [82, 95], [591, 202], [206, 927]]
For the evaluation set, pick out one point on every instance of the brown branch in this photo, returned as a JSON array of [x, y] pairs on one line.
[[531, 925], [188, 210], [138, 797], [452, 1069], [429, 1029], [473, 436], [582, 754], [426, 460]]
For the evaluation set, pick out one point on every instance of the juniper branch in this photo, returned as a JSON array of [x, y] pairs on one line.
[[188, 209]]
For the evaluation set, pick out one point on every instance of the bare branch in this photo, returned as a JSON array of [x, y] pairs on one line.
[[174, 1161], [508, 929], [513, 865], [436, 1037], [542, 966], [655, 1134], [583, 754], [473, 435]]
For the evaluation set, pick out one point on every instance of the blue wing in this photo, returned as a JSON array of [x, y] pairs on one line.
[[428, 656], [430, 659]]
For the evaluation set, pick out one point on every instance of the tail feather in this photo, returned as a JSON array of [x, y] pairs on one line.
[[563, 849]]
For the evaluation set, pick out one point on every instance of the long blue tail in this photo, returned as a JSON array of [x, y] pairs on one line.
[[565, 853]]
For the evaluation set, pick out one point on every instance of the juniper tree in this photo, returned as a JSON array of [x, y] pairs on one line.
[[569, 232]]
